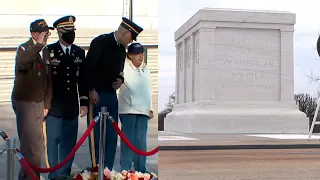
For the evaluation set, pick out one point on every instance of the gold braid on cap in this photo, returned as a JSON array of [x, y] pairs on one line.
[[130, 27], [70, 23], [65, 24]]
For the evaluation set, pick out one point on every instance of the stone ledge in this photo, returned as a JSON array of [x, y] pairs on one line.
[[236, 16]]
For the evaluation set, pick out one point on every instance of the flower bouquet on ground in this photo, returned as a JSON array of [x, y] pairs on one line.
[[92, 174]]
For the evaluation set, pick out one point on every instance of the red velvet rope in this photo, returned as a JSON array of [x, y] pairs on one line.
[[127, 142], [23, 161], [3, 135], [70, 155], [28, 166], [24, 164]]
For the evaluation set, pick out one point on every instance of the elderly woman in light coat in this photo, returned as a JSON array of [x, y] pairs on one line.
[[135, 107]]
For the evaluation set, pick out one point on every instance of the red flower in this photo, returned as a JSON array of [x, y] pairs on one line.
[[78, 177], [151, 176], [141, 178], [38, 66], [95, 169], [131, 171], [105, 178]]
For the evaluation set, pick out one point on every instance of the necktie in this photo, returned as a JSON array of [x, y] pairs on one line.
[[67, 51]]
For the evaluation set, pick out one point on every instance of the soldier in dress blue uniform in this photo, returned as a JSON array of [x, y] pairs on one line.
[[104, 72], [68, 86]]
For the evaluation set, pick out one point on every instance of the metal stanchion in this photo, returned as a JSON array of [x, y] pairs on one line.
[[103, 120], [10, 148]]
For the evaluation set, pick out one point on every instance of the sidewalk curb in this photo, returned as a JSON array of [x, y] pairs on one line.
[[238, 147]]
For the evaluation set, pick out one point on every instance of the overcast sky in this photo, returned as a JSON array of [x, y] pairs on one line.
[[174, 13]]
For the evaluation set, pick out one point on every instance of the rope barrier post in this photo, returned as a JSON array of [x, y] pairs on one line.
[[103, 121], [10, 148]]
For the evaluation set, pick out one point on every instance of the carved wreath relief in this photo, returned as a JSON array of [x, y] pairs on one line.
[[181, 59], [196, 53], [188, 55]]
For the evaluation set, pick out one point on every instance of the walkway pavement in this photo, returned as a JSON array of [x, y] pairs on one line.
[[180, 141], [82, 158], [238, 156], [240, 164]]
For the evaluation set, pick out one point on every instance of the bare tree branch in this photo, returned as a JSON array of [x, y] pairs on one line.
[[312, 78], [316, 80]]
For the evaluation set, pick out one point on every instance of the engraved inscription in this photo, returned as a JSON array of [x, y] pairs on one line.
[[248, 40], [196, 53], [247, 75], [247, 64], [188, 55], [246, 51], [238, 86]]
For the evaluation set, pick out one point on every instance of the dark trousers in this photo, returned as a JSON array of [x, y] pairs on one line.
[[135, 128], [60, 137], [29, 117], [110, 101]]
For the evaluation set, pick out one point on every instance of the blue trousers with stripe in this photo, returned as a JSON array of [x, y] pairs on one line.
[[110, 101], [60, 137]]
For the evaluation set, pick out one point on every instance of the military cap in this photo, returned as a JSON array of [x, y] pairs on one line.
[[132, 27], [39, 25], [66, 23], [135, 48]]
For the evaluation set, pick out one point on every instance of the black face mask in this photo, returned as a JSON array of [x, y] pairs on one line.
[[69, 36]]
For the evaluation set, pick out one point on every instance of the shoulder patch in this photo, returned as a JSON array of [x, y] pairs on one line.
[[22, 48]]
